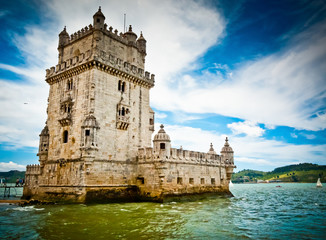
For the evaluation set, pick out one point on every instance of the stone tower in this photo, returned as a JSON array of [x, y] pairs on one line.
[[98, 105], [94, 109], [96, 144]]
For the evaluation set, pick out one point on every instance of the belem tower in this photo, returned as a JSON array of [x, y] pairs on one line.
[[96, 144]]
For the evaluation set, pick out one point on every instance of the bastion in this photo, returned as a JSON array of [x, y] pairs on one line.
[[96, 145]]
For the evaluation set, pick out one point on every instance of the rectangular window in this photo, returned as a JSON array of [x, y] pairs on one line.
[[202, 181], [140, 180], [179, 180], [87, 132], [191, 181], [162, 145], [213, 181]]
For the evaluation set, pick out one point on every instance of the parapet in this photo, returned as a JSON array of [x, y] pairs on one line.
[[121, 37], [181, 156], [33, 169]]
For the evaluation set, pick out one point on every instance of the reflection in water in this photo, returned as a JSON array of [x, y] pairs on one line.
[[256, 211]]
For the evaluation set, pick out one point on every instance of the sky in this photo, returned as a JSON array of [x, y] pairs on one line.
[[254, 71]]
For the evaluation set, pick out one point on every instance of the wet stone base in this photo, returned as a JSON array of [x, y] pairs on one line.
[[115, 195]]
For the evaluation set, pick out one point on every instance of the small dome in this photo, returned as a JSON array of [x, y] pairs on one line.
[[64, 32], [141, 37], [227, 148], [99, 13], [130, 35], [45, 131], [211, 149], [161, 135]]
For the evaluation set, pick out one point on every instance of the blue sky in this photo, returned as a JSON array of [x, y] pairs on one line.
[[254, 71]]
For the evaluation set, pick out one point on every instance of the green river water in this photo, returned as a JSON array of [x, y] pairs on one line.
[[257, 211]]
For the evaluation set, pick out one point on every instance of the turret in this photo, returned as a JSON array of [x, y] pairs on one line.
[[63, 37], [162, 142], [227, 153], [44, 145], [130, 35], [63, 40], [98, 19], [141, 42]]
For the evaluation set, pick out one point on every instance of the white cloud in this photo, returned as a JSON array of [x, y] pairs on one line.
[[23, 113], [308, 136], [247, 127], [283, 89], [159, 115], [5, 167], [294, 135]]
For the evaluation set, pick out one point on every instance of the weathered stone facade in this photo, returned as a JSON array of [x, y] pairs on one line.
[[96, 145]]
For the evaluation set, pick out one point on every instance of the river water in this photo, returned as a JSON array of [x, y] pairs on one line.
[[257, 211]]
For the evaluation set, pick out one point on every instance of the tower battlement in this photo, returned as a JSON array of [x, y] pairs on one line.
[[114, 34]]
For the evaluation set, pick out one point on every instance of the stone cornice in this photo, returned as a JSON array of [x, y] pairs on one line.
[[142, 81]]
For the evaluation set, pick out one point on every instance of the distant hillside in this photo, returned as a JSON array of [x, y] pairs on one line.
[[303, 172], [12, 175]]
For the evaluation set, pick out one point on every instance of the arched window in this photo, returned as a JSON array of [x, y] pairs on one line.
[[119, 85], [123, 111], [123, 87], [65, 136]]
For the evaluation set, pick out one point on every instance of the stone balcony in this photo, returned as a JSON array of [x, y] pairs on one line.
[[123, 122], [65, 119]]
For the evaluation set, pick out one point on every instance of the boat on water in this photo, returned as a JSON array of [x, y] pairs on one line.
[[319, 183]]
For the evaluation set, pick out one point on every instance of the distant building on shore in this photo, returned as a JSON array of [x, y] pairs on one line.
[[96, 144]]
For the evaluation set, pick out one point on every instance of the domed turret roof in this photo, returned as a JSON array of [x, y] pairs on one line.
[[130, 35], [64, 32], [211, 149], [226, 148], [141, 37], [161, 135], [99, 13], [45, 131]]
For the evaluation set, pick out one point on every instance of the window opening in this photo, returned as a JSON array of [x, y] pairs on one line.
[[191, 181], [141, 180], [213, 181], [162, 145], [65, 136], [87, 132], [179, 180], [202, 181], [119, 85], [123, 87]]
